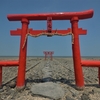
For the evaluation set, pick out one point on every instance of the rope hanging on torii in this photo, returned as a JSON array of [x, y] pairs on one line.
[[32, 33], [49, 32], [36, 33]]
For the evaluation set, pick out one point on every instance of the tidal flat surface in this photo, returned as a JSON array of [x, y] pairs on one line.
[[60, 71]]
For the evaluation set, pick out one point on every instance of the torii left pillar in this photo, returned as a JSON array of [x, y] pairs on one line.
[[45, 53], [23, 52], [22, 55]]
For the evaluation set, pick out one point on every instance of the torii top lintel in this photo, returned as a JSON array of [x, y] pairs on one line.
[[55, 16]]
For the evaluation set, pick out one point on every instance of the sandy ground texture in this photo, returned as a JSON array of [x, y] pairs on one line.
[[59, 71]]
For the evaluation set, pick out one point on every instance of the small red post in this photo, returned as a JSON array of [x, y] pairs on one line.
[[76, 54], [22, 55], [6, 63], [90, 63], [99, 74], [0, 76]]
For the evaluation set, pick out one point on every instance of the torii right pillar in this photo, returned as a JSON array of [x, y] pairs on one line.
[[51, 53], [76, 54]]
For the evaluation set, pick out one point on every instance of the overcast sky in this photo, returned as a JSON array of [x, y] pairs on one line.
[[61, 45]]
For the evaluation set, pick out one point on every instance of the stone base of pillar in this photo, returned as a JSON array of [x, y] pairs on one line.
[[20, 88], [80, 88]]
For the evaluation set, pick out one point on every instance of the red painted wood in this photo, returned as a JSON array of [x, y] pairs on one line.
[[55, 16], [90, 63], [16, 32], [22, 55], [81, 31], [49, 24], [7, 63], [0, 76], [48, 53], [76, 54], [36, 33], [99, 74]]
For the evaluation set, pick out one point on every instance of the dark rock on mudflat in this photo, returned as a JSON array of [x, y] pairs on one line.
[[96, 90], [12, 84], [48, 89], [69, 98], [1, 90], [85, 97]]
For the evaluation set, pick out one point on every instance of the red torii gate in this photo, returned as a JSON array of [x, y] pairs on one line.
[[48, 53], [11, 63], [74, 17]]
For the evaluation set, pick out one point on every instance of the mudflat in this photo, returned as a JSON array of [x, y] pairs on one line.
[[59, 71]]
